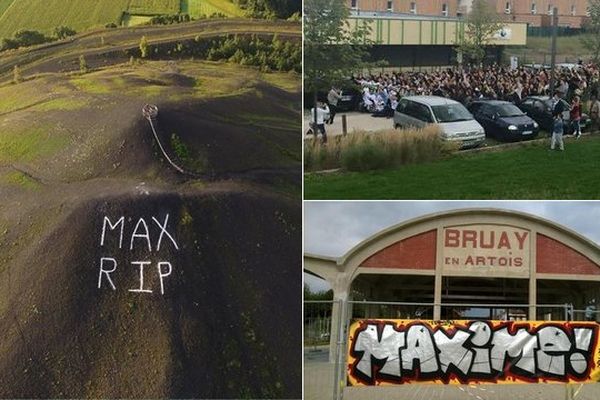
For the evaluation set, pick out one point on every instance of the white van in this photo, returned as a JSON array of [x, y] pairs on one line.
[[454, 120]]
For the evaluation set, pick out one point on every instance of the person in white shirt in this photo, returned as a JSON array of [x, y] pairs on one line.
[[322, 116]]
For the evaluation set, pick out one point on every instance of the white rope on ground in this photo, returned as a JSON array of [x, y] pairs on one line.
[[150, 112]]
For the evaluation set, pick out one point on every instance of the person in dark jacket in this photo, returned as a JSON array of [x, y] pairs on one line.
[[558, 108], [576, 116]]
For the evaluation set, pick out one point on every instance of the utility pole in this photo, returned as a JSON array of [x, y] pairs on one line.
[[553, 55]]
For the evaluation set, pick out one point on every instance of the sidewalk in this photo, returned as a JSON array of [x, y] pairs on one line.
[[356, 121]]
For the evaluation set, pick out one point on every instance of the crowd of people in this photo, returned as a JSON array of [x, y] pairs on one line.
[[468, 84], [579, 84]]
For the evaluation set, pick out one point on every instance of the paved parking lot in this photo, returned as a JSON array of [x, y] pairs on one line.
[[356, 121]]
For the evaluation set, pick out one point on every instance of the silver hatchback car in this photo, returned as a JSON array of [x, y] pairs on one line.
[[455, 121]]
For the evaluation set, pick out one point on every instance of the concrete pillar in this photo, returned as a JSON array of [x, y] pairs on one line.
[[437, 296], [338, 317], [532, 298], [533, 276]]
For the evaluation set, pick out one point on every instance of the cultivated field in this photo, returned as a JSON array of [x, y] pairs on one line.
[[45, 15], [197, 8], [154, 6]]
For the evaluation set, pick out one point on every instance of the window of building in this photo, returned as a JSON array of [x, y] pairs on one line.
[[354, 4], [507, 8], [390, 5], [413, 7], [573, 10], [533, 8], [550, 9], [445, 9]]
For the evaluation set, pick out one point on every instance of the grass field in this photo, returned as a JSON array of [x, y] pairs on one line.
[[150, 7], [4, 4], [197, 8], [531, 172], [45, 15]]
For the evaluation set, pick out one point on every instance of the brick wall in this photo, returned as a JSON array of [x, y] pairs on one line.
[[424, 7], [520, 11], [416, 252], [554, 257]]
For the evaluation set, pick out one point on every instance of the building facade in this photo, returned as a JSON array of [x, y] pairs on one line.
[[536, 13], [444, 8], [412, 41], [475, 263], [571, 13]]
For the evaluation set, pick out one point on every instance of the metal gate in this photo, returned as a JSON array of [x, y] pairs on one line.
[[324, 362]]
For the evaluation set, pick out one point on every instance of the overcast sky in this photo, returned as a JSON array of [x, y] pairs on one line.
[[333, 228]]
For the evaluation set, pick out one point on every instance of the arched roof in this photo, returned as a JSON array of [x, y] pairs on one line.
[[349, 263]]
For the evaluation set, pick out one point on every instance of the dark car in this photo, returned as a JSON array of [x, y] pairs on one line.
[[540, 109], [350, 101], [351, 98], [503, 120]]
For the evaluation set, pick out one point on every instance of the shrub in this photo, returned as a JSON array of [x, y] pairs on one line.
[[63, 32], [24, 38], [267, 54], [83, 68], [168, 19], [144, 47], [17, 78], [362, 151]]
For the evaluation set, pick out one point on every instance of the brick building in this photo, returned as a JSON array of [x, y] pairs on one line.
[[571, 13], [496, 264], [537, 13], [446, 8]]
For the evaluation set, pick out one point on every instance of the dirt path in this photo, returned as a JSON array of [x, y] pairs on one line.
[[63, 56]]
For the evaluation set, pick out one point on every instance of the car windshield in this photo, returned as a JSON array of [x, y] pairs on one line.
[[508, 110], [451, 113]]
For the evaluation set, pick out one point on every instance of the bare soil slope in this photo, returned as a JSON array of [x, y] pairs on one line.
[[225, 322]]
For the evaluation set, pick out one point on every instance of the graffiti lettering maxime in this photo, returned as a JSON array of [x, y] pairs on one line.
[[403, 351]]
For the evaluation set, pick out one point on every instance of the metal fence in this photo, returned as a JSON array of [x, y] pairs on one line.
[[546, 31], [321, 358], [324, 360]]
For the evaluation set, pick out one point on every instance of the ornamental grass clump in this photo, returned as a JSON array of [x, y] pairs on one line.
[[366, 151]]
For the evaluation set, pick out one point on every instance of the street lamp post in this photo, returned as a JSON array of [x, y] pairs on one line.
[[553, 55]]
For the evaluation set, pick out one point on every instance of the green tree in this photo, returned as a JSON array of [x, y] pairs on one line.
[[591, 40], [83, 64], [63, 32], [482, 24], [17, 78], [333, 49], [321, 295], [144, 48]]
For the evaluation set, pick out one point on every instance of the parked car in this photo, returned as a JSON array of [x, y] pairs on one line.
[[540, 109], [503, 120], [350, 101], [455, 121]]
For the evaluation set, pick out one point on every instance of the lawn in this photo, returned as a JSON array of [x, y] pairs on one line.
[[530, 172]]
